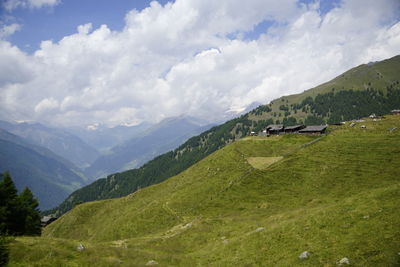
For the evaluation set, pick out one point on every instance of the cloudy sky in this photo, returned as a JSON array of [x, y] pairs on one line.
[[80, 62]]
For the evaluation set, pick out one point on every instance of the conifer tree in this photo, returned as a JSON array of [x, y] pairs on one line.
[[19, 214], [9, 206], [30, 213], [3, 251]]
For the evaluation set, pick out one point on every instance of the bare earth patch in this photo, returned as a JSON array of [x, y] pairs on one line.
[[262, 162]]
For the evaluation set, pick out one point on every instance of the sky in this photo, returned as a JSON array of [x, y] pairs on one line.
[[78, 63]]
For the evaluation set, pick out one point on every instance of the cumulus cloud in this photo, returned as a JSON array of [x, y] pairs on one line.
[[188, 57], [14, 4]]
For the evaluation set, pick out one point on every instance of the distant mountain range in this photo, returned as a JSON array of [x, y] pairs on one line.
[[44, 158], [50, 177], [160, 138], [366, 89], [59, 141], [105, 138]]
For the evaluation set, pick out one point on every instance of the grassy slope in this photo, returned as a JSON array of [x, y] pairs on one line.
[[377, 76], [338, 197]]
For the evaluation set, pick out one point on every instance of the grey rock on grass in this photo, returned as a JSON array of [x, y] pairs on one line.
[[304, 255], [344, 261]]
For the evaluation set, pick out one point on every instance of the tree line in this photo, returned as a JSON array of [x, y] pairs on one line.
[[349, 104]]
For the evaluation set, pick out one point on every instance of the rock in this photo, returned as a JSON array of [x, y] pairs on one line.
[[80, 247], [304, 255], [344, 261], [151, 262]]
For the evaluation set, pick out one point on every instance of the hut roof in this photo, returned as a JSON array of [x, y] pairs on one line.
[[275, 127], [313, 128], [294, 127], [46, 218]]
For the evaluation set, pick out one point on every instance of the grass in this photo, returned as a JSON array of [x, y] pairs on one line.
[[262, 163], [338, 197]]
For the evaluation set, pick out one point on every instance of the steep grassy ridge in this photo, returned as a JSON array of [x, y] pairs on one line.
[[379, 76], [337, 197]]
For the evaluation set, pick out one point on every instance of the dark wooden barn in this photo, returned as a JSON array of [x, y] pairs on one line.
[[275, 129], [46, 220], [314, 129], [294, 128], [395, 112]]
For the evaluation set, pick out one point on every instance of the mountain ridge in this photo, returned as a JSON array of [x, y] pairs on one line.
[[60, 142], [50, 177], [158, 139]]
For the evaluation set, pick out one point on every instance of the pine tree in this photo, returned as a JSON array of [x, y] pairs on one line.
[[9, 206], [30, 213], [19, 215], [3, 250]]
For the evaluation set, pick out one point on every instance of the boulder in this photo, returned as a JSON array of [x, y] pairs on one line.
[[80, 247], [304, 255], [344, 261]]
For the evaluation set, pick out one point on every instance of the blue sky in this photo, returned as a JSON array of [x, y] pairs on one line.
[[202, 58], [55, 22]]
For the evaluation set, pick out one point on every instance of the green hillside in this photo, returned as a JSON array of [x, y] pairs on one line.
[[369, 81], [357, 93], [334, 196]]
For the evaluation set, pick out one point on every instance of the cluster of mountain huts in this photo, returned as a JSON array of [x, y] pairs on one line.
[[276, 129]]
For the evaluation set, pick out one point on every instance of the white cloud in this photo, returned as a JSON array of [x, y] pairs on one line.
[[8, 30], [180, 59], [14, 4], [46, 105], [15, 66]]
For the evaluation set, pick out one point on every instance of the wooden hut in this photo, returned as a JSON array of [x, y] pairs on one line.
[[314, 129], [275, 129], [46, 220], [294, 128]]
